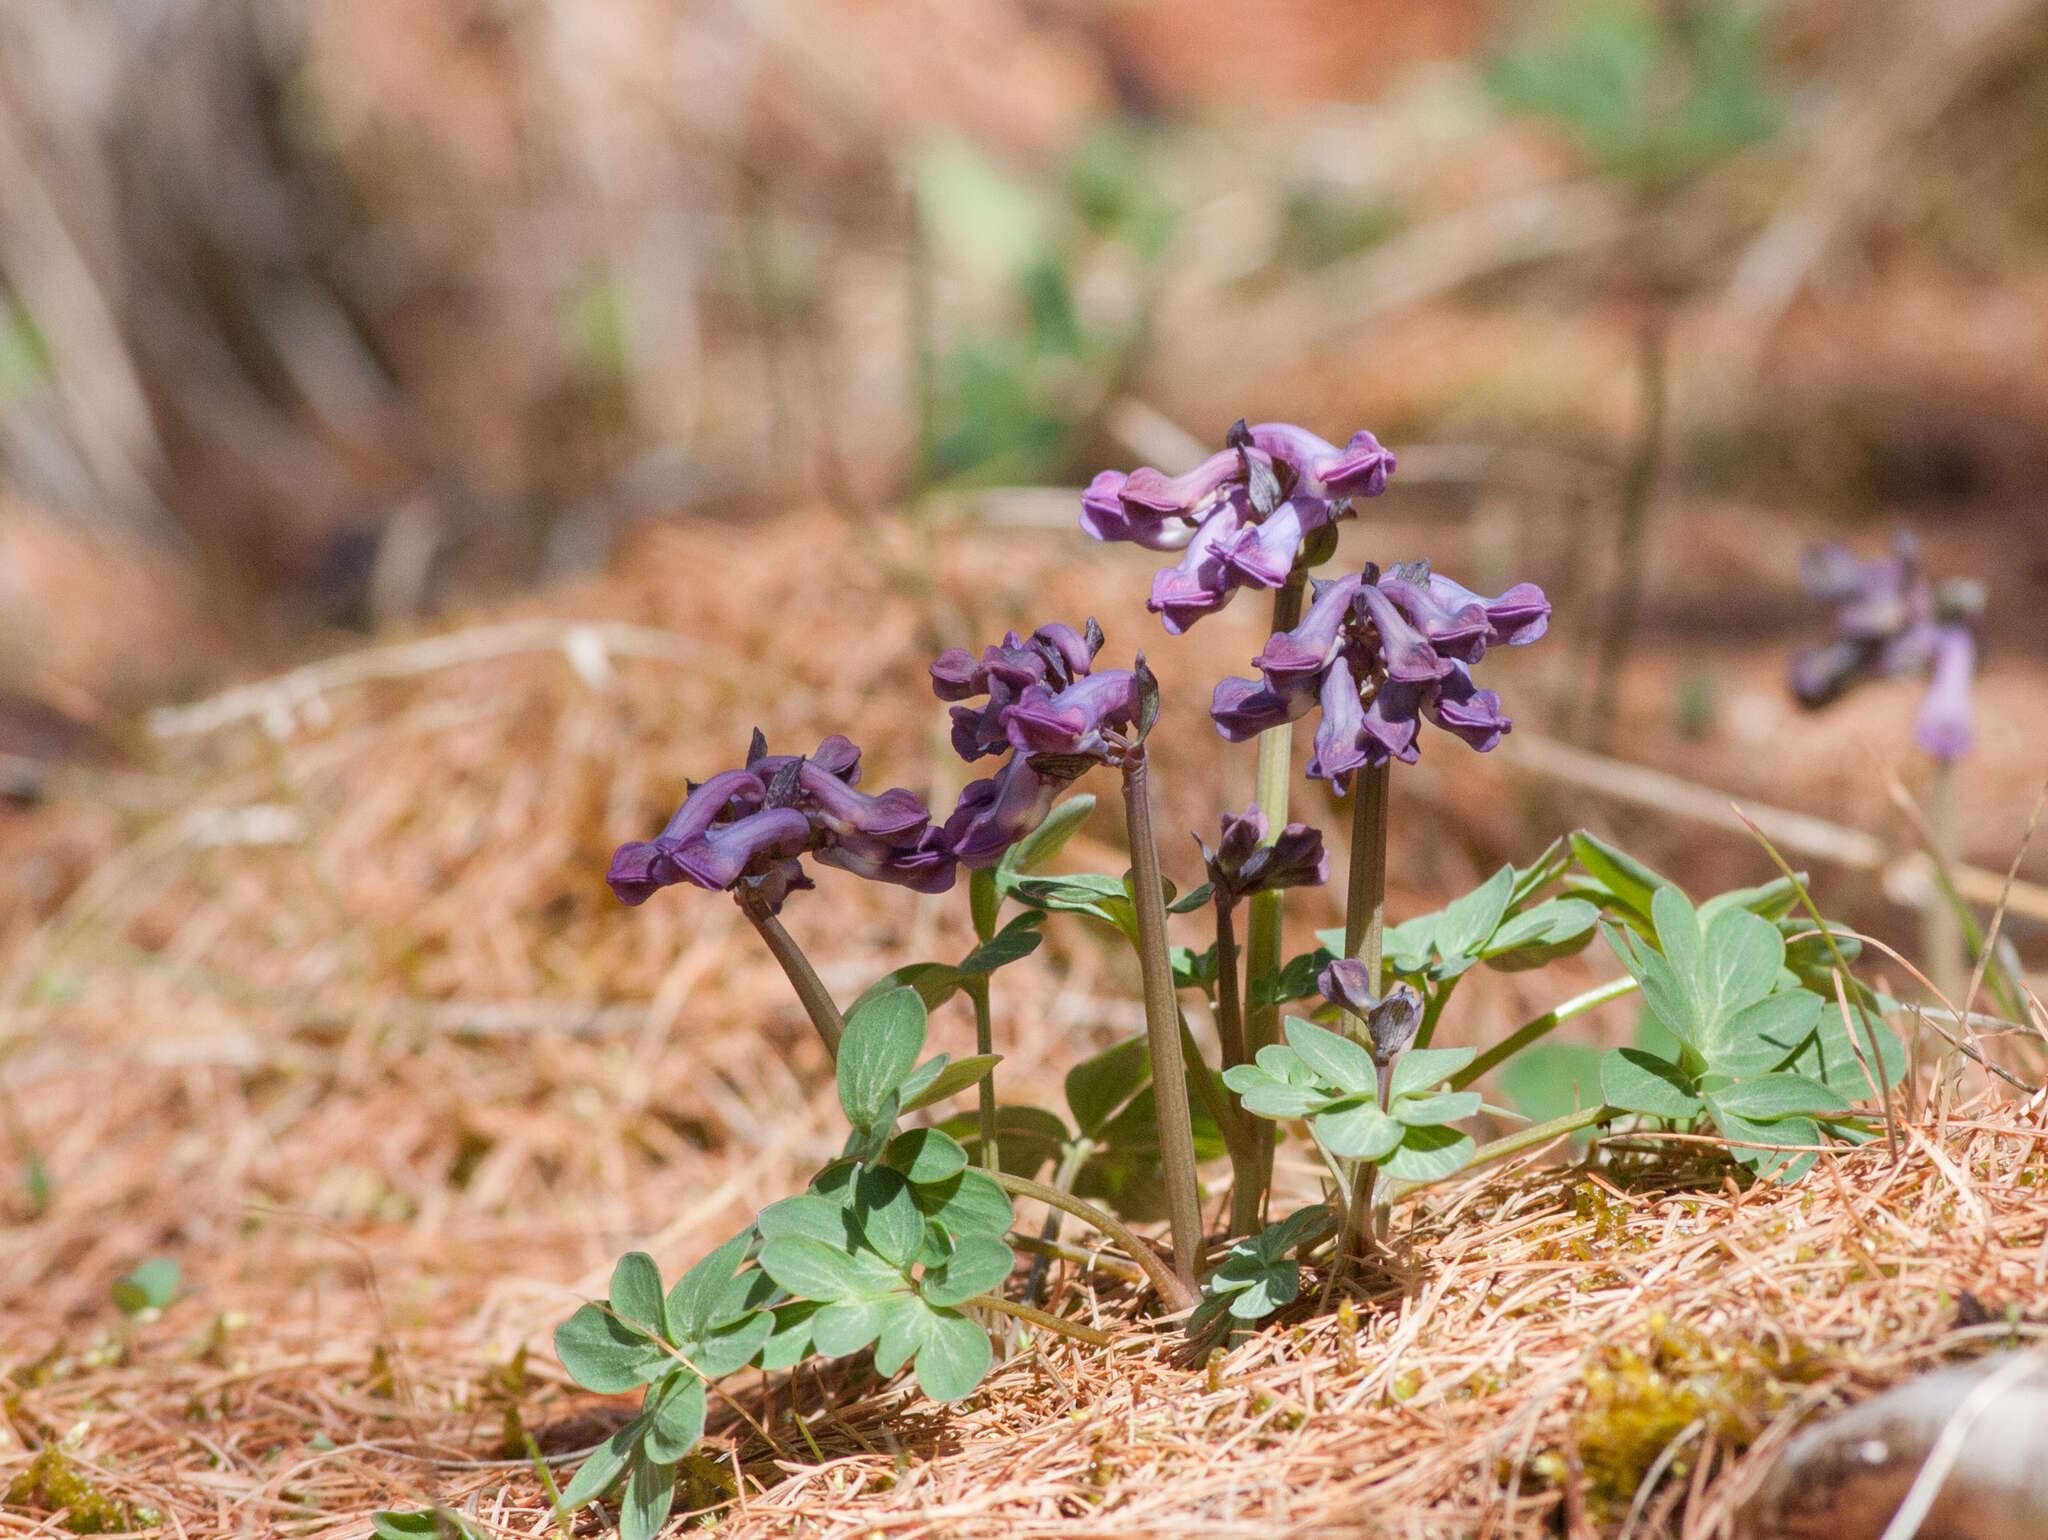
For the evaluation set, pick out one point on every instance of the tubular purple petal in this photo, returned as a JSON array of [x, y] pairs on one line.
[[957, 676], [730, 791], [1943, 726], [1309, 647], [1244, 708], [1517, 617], [1147, 492], [1072, 721], [721, 856], [1404, 651], [992, 815], [640, 869], [842, 810], [1346, 984], [1473, 714], [1341, 745]]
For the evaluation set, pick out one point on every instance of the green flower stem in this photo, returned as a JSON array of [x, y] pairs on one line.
[[1253, 1137], [1523, 1036], [1262, 927], [1043, 1250], [1162, 1025], [985, 1042], [1064, 1177], [1229, 1002], [1177, 1295], [1045, 1318], [803, 978], [1365, 902], [1365, 923], [985, 904], [1941, 929], [1525, 1139]]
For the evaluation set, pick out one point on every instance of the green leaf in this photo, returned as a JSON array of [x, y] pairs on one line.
[[1829, 1058], [849, 1325], [438, 1523], [692, 1303], [935, 983], [1742, 956], [1773, 900], [1358, 1131], [984, 901], [954, 1357], [814, 1270], [887, 1214], [1429, 1154], [1465, 923], [1405, 948], [1539, 874], [1032, 852], [1019, 939], [675, 1417], [1293, 980], [1559, 927], [1762, 1036], [152, 1286], [1423, 1111], [1135, 1130], [1549, 1080], [605, 1464], [1090, 893], [1192, 969], [650, 1492], [607, 1355], [949, 1079], [1028, 1138], [1641, 1082], [978, 1264], [820, 1218], [1419, 1069], [879, 1050], [902, 1334], [637, 1293], [1774, 1161], [926, 1155], [1098, 1087], [1192, 900], [1627, 884], [732, 1346], [968, 1204], [1268, 1096], [789, 1343], [1335, 1059], [1773, 1096]]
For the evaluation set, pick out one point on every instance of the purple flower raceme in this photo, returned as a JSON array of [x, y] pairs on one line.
[[744, 830], [1241, 518], [1243, 863], [1379, 652], [1889, 620], [1050, 709]]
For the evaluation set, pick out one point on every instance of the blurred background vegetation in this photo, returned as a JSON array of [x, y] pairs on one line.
[[329, 313]]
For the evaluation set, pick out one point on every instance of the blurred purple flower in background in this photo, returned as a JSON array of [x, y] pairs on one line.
[[1890, 621], [1379, 652], [743, 830], [1243, 864], [1047, 706], [1240, 518]]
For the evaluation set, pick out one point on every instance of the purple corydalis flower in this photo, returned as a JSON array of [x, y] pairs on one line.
[[1243, 864], [745, 829], [1889, 621], [1050, 709], [1241, 517], [1378, 653], [1391, 1022]]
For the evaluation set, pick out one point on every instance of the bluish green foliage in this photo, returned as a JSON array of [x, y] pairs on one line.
[[1258, 1276], [1651, 92], [887, 1244], [1758, 1054], [423, 1524], [152, 1286], [1329, 1080]]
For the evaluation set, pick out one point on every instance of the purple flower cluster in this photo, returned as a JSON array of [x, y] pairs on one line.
[[743, 830], [1240, 518], [1243, 863], [1049, 710], [1379, 652], [1890, 621]]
